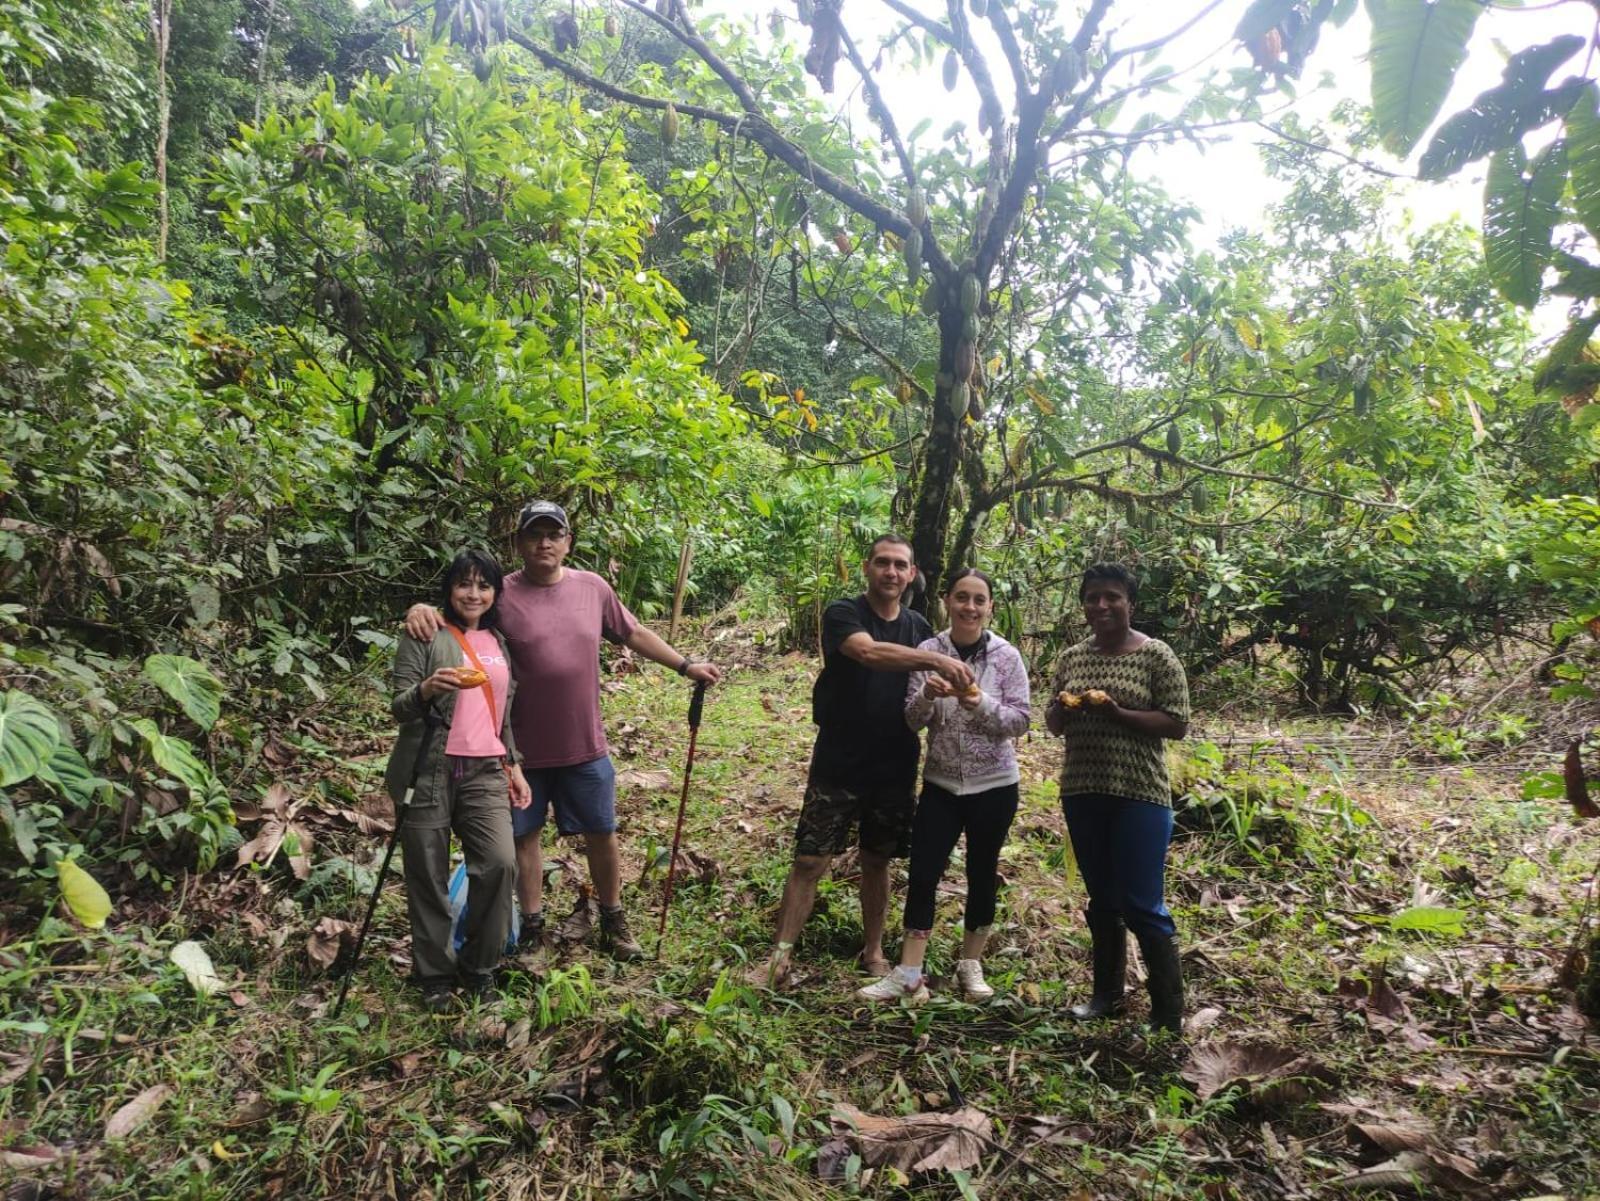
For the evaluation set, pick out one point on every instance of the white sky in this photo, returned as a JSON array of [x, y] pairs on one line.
[[1225, 181]]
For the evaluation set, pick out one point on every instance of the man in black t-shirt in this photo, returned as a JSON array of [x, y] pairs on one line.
[[863, 778]]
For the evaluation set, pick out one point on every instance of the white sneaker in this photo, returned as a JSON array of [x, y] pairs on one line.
[[894, 988], [969, 974]]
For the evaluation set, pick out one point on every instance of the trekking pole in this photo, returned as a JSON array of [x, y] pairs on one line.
[[695, 707], [429, 725]]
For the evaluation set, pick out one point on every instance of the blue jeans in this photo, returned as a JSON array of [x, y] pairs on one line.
[[1121, 848]]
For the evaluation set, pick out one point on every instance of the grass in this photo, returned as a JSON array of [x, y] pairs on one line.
[[667, 1078]]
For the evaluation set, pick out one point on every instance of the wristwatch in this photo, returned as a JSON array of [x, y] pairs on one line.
[[683, 666]]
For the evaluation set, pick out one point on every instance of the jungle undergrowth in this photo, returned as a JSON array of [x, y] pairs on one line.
[[1304, 895]]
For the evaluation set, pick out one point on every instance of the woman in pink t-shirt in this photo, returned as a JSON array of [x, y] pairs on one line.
[[455, 738]]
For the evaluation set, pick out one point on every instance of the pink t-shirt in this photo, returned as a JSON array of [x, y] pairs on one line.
[[473, 732], [554, 633]]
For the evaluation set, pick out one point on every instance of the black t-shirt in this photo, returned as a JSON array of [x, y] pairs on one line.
[[862, 736]]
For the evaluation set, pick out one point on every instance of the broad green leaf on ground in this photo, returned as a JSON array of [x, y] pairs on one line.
[[70, 773], [1430, 919], [29, 734], [190, 683], [1501, 115], [1416, 49], [174, 756], [191, 957], [1522, 203], [137, 1112], [1583, 157], [89, 903]]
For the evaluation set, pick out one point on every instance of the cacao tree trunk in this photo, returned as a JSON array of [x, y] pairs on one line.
[[941, 458]]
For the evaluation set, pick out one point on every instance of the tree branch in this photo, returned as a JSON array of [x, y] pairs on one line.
[[753, 123]]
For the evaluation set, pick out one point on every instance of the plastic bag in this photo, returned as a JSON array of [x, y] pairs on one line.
[[458, 911]]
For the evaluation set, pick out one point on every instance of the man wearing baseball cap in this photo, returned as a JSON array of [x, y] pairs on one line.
[[553, 618]]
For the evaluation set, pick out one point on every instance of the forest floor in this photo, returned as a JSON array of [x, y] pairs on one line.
[[1377, 932]]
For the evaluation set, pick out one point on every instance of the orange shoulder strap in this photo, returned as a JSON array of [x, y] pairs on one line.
[[472, 656]]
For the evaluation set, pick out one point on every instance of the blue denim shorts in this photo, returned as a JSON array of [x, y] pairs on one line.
[[583, 795]]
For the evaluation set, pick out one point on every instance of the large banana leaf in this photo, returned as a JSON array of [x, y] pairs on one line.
[[1417, 47], [1583, 157], [1521, 205], [1506, 111]]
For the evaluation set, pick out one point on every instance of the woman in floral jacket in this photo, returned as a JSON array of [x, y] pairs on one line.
[[969, 784]]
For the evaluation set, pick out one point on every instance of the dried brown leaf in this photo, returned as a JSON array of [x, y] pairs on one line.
[[253, 1108], [924, 1142], [137, 1111], [328, 937], [649, 781], [1577, 785], [1265, 1074]]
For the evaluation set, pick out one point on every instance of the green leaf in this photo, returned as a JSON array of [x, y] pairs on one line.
[[1583, 156], [70, 774], [89, 903], [1430, 919], [29, 734], [1521, 205], [174, 756], [1417, 47], [190, 683], [1504, 113]]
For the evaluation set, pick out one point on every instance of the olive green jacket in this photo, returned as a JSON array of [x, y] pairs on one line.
[[414, 662]]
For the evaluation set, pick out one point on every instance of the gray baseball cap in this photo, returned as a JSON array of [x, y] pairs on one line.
[[542, 510]]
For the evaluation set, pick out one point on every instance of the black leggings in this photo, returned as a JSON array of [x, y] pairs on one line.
[[941, 818]]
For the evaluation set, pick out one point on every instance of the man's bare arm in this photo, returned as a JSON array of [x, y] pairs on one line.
[[891, 656]]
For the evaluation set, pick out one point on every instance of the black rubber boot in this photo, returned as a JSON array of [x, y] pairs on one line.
[[1166, 981], [1110, 959]]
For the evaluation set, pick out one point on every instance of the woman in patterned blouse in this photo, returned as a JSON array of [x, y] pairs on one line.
[[1119, 695]]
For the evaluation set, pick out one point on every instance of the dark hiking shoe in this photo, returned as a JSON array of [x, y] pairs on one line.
[[477, 986], [437, 996], [531, 936], [616, 938]]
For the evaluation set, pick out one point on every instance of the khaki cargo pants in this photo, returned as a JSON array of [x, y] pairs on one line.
[[477, 806]]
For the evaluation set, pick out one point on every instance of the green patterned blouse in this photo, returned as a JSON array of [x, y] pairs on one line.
[[1102, 755]]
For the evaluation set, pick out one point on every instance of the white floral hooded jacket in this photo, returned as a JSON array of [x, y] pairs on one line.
[[971, 750]]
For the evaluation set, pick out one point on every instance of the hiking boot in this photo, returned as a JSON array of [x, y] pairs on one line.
[[1110, 959], [969, 975], [616, 938], [477, 986], [437, 995], [894, 987], [531, 936]]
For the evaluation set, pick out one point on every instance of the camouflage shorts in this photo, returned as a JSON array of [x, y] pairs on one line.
[[832, 814]]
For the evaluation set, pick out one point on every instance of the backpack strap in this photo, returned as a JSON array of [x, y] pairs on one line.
[[472, 657]]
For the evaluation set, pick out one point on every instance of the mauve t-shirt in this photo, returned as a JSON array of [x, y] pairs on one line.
[[553, 632]]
